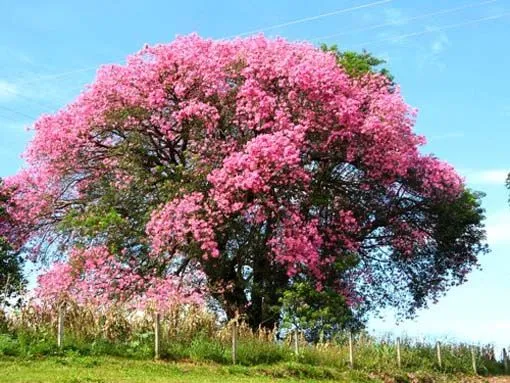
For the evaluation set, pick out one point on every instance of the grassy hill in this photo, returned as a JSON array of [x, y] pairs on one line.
[[79, 369]]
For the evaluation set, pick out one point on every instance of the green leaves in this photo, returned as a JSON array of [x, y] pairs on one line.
[[12, 281], [358, 64], [318, 312]]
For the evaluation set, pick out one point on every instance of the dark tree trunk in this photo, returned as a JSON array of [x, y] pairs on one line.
[[256, 283], [268, 283]]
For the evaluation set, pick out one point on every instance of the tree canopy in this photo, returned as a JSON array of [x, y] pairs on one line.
[[12, 280], [236, 169]]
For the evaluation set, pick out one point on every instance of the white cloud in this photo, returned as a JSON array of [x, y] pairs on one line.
[[395, 16], [439, 44], [488, 176], [37, 95], [502, 325], [8, 90], [498, 228], [430, 54]]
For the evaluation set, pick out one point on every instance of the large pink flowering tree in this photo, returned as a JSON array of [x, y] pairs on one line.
[[255, 163]]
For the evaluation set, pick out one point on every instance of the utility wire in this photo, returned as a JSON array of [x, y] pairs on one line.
[[312, 18], [320, 16], [17, 112], [435, 29], [8, 118], [271, 27], [58, 75], [405, 20], [440, 12], [29, 99]]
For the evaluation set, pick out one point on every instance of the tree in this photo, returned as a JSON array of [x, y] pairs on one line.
[[12, 280], [259, 163], [508, 182], [318, 314]]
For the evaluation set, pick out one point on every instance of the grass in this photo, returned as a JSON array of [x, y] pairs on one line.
[[109, 369], [370, 356], [79, 369]]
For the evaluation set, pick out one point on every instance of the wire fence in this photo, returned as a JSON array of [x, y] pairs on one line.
[[190, 333]]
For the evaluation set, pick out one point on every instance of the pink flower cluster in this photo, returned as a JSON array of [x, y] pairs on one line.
[[94, 276], [268, 161], [170, 227]]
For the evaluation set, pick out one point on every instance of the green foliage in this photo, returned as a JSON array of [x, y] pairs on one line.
[[255, 352], [508, 182], [458, 236], [318, 313], [202, 349], [8, 345], [12, 281], [358, 64]]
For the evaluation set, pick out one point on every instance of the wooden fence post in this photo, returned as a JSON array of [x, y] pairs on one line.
[[60, 327], [505, 360], [157, 335], [473, 359], [399, 360], [234, 341], [296, 342], [439, 360], [351, 351]]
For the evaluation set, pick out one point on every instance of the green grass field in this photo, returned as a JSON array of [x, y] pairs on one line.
[[108, 369], [81, 369]]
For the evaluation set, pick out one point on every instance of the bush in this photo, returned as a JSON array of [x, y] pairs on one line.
[[259, 352], [203, 349], [8, 346]]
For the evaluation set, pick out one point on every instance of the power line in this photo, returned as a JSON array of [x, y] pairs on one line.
[[405, 20], [271, 27], [320, 16], [288, 23], [435, 29], [17, 112], [29, 99], [9, 118], [311, 18], [58, 75]]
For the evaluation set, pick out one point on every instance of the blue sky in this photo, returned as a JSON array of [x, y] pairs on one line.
[[449, 57]]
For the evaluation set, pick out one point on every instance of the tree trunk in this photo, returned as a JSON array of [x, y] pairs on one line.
[[267, 285]]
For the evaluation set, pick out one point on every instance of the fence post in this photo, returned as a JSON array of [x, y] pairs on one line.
[[473, 359], [351, 351], [439, 360], [296, 342], [399, 360], [505, 360], [157, 335], [234, 341], [60, 327]]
